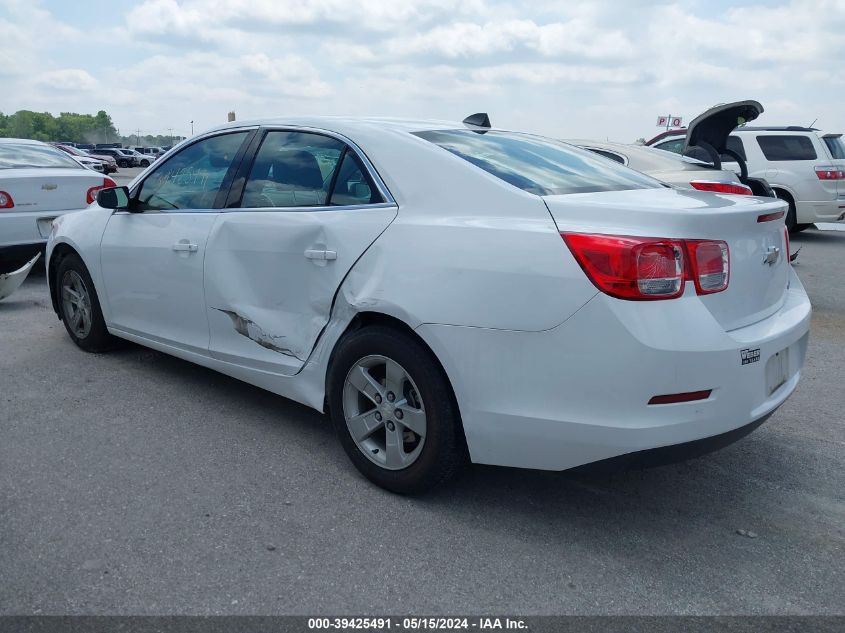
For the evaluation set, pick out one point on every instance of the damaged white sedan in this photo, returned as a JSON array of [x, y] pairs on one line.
[[448, 292]]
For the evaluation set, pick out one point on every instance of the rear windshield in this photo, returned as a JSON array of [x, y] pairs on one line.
[[793, 147], [538, 165], [836, 146], [21, 155]]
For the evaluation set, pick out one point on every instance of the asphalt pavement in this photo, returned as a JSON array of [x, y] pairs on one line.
[[136, 483]]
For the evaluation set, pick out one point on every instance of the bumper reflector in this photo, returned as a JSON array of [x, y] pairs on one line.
[[673, 398]]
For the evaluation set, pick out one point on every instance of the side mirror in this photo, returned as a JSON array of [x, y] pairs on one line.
[[113, 198]]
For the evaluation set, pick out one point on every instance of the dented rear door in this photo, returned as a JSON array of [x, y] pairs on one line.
[[272, 268], [271, 276]]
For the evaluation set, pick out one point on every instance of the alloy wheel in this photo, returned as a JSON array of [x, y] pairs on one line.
[[384, 412], [76, 304]]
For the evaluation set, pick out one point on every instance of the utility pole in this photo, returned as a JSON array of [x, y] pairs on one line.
[[192, 128], [138, 136], [170, 138]]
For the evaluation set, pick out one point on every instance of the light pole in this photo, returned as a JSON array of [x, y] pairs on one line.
[[192, 128]]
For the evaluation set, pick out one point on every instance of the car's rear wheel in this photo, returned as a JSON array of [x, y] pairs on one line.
[[394, 412], [80, 306], [145, 163], [123, 163]]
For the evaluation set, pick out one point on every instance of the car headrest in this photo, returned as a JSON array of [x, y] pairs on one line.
[[297, 167]]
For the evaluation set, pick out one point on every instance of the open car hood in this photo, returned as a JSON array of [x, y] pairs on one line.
[[713, 126]]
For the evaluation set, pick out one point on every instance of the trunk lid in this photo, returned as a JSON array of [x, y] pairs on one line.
[[759, 270], [713, 126], [48, 189]]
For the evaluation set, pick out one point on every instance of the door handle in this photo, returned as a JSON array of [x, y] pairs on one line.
[[185, 247], [321, 254]]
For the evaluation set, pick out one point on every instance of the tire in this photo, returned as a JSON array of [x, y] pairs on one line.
[[145, 163], [123, 163], [89, 331], [419, 462]]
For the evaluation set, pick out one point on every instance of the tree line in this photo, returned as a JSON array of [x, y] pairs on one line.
[[73, 127]]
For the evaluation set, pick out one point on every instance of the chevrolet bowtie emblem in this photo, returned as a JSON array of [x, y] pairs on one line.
[[772, 255]]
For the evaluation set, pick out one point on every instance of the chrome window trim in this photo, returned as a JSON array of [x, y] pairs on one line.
[[321, 208]]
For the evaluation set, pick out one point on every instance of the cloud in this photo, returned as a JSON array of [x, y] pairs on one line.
[[598, 67], [67, 80]]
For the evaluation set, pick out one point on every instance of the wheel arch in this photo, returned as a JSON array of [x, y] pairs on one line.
[[57, 254], [369, 318]]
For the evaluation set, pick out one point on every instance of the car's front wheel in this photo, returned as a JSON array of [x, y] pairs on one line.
[[80, 306], [394, 412], [145, 163]]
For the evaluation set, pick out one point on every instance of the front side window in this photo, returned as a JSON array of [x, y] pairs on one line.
[[787, 147], [292, 169], [538, 165], [192, 178], [26, 155]]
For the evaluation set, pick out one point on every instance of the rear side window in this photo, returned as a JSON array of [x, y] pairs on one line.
[[793, 147], [353, 185], [836, 146], [538, 165], [292, 169]]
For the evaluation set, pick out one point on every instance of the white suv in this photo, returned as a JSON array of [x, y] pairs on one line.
[[804, 166]]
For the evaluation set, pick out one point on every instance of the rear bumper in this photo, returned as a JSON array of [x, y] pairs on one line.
[[811, 211], [579, 393], [672, 454], [26, 228]]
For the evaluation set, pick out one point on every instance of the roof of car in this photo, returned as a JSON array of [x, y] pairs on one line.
[[745, 128], [347, 123]]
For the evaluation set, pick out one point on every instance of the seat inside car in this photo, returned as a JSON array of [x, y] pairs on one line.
[[290, 178]]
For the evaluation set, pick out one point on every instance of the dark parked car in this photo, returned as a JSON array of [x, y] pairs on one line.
[[124, 157], [109, 162]]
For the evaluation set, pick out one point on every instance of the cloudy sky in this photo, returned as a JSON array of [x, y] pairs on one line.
[[587, 69]]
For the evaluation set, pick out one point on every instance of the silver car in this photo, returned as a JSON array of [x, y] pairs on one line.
[[673, 169]]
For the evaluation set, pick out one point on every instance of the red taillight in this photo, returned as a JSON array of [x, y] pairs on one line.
[[689, 396], [722, 187], [650, 268], [710, 265], [786, 242], [6, 201], [830, 173], [768, 217], [91, 195], [638, 268]]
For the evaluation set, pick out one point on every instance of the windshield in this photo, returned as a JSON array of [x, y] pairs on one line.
[[536, 164], [25, 155]]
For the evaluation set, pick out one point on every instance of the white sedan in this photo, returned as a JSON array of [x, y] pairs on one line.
[[448, 292], [37, 184]]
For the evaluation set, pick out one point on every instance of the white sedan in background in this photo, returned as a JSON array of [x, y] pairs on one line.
[[447, 291], [37, 184], [674, 169]]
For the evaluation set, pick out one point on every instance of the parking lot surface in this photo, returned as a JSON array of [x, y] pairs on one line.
[[133, 482]]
